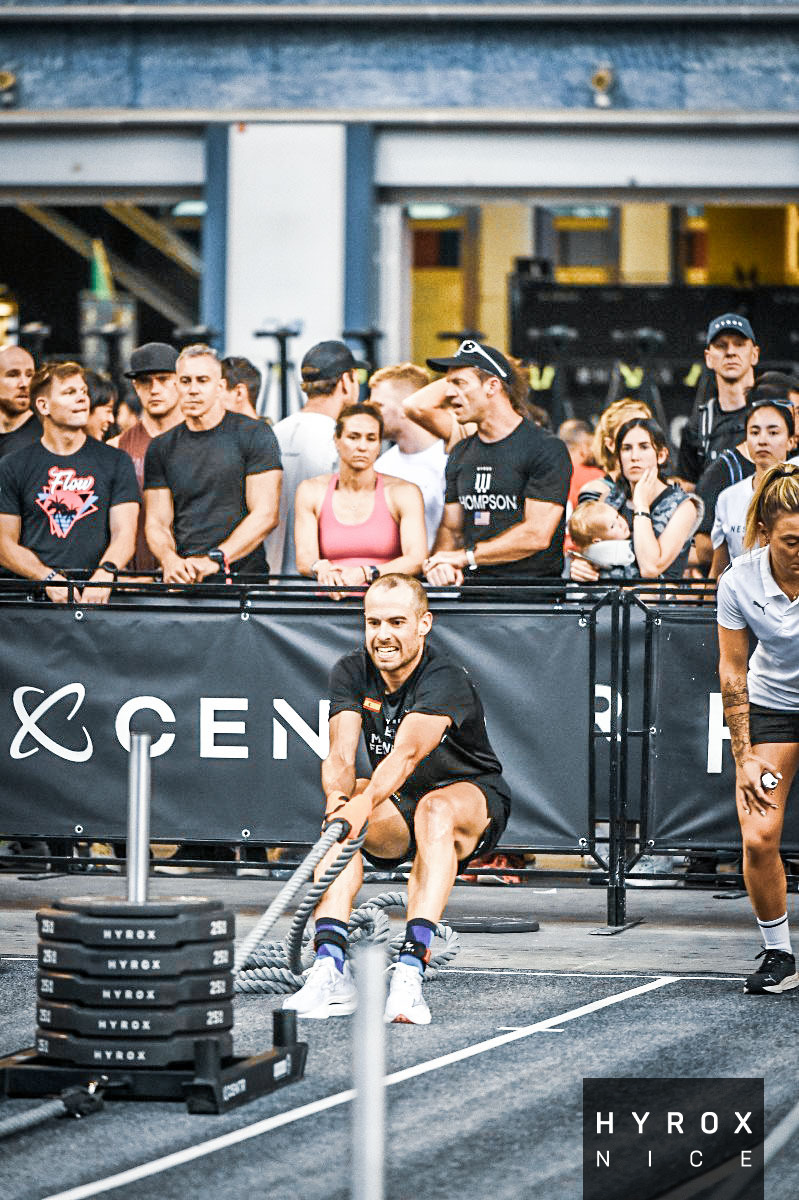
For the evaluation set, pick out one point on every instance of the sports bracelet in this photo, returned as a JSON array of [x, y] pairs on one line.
[[639, 512], [52, 575], [470, 559]]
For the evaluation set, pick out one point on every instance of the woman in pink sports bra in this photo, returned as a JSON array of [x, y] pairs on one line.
[[356, 524]]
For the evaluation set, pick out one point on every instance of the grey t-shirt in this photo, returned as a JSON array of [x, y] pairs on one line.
[[307, 449]]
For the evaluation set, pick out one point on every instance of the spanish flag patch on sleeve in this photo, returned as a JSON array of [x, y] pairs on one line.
[[372, 705]]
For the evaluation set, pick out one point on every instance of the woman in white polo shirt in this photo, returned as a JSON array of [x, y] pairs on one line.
[[759, 593], [769, 440]]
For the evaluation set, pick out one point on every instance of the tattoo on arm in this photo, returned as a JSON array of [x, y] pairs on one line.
[[734, 694], [738, 724], [735, 699]]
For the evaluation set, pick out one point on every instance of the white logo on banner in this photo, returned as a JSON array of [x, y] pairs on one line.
[[210, 726], [29, 728]]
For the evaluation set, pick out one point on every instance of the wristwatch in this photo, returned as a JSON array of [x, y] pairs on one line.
[[370, 572], [471, 561], [221, 559], [112, 568]]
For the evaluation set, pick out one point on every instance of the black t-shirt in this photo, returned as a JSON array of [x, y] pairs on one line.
[[436, 687], [64, 500], [206, 472], [492, 480], [24, 435], [730, 467]]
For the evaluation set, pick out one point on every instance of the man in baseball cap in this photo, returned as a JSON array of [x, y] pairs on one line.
[[152, 373], [153, 358], [328, 361], [506, 484], [729, 322], [472, 354], [731, 354]]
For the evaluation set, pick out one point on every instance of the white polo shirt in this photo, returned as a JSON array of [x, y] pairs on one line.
[[748, 596]]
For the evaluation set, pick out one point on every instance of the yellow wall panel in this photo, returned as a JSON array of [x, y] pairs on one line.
[[436, 305]]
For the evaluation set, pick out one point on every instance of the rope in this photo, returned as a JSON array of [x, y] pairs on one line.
[[34, 1116], [287, 893], [263, 966]]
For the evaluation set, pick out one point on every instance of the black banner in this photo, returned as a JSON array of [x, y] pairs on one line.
[[238, 707]]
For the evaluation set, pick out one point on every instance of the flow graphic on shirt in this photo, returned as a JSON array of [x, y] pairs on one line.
[[66, 498]]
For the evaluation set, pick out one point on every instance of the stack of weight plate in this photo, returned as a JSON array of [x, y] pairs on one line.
[[133, 985]]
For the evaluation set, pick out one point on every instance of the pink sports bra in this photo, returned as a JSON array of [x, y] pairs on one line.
[[375, 540]]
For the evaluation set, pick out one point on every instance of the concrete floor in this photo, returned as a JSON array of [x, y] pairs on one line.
[[504, 1122]]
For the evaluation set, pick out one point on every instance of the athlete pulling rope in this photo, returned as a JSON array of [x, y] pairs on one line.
[[436, 795]]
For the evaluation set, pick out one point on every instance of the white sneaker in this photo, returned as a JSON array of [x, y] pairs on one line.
[[648, 865], [404, 1003], [327, 992]]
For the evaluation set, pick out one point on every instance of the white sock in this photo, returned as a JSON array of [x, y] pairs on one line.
[[776, 934]]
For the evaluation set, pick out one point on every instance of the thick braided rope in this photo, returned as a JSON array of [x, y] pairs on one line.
[[286, 894], [270, 968], [278, 967]]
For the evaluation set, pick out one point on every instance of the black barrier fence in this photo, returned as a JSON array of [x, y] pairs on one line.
[[602, 703]]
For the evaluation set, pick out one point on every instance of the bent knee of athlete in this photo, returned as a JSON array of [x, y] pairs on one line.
[[435, 819]]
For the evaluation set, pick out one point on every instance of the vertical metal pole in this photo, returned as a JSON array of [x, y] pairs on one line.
[[283, 338], [618, 833], [138, 818], [368, 1060]]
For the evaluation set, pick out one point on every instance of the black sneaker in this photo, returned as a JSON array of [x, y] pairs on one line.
[[777, 973]]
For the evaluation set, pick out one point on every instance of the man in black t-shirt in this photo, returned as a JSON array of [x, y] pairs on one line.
[[436, 795], [19, 425], [732, 354], [68, 504], [506, 485], [733, 465], [212, 483]]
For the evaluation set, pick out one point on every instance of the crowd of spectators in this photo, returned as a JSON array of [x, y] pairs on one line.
[[445, 471]]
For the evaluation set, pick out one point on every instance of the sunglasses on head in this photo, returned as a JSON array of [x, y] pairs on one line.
[[470, 347]]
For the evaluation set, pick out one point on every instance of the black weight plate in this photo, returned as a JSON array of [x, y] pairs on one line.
[[136, 963], [102, 1052], [134, 993], [136, 1024], [492, 924], [120, 908], [139, 933]]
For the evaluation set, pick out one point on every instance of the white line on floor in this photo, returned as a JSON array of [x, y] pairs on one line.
[[157, 1165], [585, 974], [513, 1028]]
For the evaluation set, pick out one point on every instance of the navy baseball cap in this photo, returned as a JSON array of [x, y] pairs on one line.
[[329, 360], [153, 358], [472, 354], [729, 323]]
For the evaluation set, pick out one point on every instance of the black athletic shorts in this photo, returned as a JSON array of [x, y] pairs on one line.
[[497, 798], [772, 725]]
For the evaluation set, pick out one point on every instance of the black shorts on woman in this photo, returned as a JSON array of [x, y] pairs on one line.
[[772, 725]]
